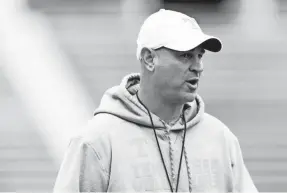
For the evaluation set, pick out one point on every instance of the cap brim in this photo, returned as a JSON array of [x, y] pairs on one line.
[[207, 42], [212, 44]]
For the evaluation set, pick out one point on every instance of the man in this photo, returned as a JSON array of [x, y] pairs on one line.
[[151, 133]]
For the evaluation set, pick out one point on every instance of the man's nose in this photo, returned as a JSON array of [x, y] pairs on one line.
[[196, 67]]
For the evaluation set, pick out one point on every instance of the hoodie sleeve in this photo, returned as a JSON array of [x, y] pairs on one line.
[[241, 178], [82, 170]]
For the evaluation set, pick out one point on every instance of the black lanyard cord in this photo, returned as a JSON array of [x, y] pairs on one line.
[[181, 155], [179, 169]]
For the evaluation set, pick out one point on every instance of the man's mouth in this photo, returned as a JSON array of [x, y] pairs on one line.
[[192, 83]]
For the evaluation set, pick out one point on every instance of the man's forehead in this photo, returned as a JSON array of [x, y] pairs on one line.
[[200, 49]]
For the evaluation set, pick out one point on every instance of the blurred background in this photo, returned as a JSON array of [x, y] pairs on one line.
[[57, 58]]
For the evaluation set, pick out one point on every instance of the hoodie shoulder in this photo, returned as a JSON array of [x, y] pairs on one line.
[[211, 120], [103, 124], [228, 134], [97, 135], [219, 125]]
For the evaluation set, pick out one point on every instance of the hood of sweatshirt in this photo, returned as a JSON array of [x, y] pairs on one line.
[[121, 101]]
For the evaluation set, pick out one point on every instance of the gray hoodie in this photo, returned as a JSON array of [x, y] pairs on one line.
[[117, 151]]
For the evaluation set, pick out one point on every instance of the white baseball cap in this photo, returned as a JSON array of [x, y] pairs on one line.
[[176, 31]]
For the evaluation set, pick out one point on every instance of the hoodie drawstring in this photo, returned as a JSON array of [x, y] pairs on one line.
[[181, 155], [188, 171]]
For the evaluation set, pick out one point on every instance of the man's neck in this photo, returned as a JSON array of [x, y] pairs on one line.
[[168, 112]]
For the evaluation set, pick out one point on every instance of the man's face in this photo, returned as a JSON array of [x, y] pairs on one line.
[[177, 73]]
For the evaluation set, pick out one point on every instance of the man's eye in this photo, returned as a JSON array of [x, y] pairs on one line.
[[187, 55]]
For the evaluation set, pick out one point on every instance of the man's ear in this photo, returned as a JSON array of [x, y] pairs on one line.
[[148, 56]]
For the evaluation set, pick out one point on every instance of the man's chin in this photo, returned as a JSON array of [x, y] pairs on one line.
[[190, 97]]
